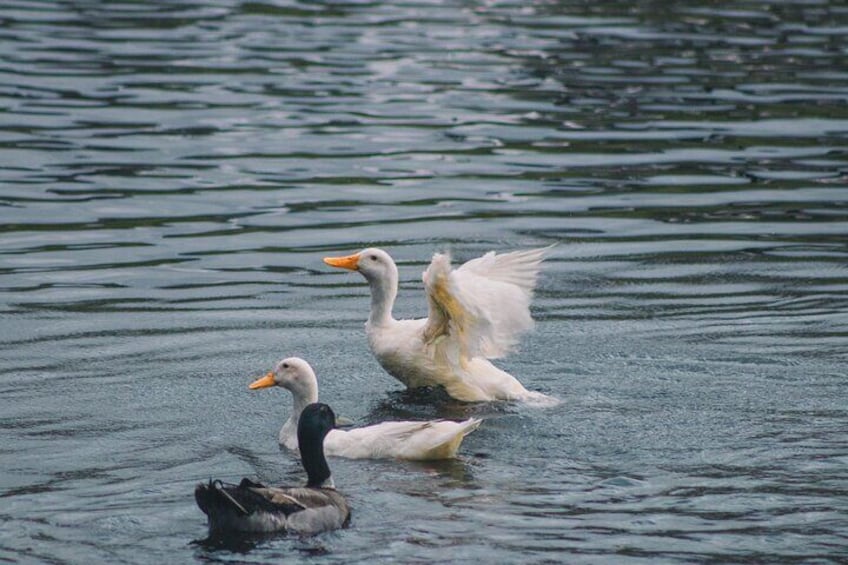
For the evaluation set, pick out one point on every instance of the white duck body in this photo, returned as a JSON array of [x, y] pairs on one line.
[[477, 313], [434, 439], [400, 348]]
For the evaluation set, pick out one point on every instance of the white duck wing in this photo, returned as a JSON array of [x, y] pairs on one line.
[[482, 307], [435, 439], [518, 268]]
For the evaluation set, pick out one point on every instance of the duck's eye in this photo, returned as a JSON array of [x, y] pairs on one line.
[[373, 257], [285, 365]]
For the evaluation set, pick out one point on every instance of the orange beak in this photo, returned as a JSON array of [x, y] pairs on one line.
[[263, 382], [350, 262]]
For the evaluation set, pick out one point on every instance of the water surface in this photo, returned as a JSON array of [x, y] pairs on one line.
[[171, 174]]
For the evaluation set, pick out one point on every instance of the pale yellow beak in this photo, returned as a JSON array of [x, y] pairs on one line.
[[350, 262], [263, 382]]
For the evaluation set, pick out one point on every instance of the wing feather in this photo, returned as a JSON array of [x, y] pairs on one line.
[[434, 439], [482, 307], [518, 268]]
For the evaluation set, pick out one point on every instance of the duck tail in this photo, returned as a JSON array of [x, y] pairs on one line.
[[538, 399], [215, 498], [447, 448]]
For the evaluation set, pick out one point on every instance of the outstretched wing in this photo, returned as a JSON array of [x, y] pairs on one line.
[[518, 268], [482, 307]]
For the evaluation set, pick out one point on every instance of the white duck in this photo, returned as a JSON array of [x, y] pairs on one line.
[[435, 439], [476, 313]]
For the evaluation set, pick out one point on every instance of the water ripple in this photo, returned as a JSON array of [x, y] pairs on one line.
[[173, 172]]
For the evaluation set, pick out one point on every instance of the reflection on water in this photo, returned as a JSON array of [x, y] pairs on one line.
[[172, 174]]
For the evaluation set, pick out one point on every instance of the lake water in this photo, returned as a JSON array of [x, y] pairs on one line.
[[172, 173]]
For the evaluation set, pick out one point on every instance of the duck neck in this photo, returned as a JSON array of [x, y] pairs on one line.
[[383, 294], [288, 435], [314, 462]]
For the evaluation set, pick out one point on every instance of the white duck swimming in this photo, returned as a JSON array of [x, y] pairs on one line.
[[435, 439], [476, 313], [253, 507]]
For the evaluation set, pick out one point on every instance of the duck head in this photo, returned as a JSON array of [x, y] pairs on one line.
[[380, 271], [293, 374], [372, 263]]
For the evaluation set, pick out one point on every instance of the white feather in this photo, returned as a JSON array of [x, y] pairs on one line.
[[476, 312], [433, 439], [486, 301]]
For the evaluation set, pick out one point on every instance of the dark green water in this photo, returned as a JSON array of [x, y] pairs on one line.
[[171, 174]]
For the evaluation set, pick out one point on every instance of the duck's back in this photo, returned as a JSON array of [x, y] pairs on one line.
[[329, 511], [427, 440], [253, 507]]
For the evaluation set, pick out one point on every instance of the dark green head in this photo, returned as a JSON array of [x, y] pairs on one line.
[[314, 424]]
